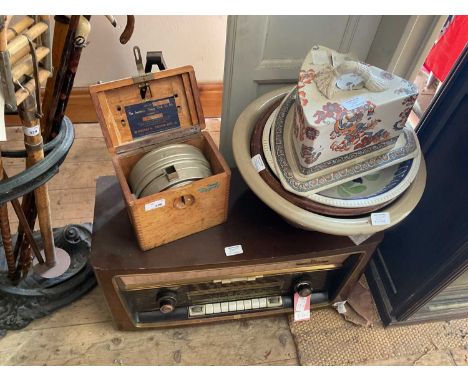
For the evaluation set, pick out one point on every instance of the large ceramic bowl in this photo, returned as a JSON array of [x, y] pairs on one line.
[[308, 220]]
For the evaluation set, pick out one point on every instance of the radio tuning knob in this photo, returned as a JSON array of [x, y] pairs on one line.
[[303, 288], [167, 302]]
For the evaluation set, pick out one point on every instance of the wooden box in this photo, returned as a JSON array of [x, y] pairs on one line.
[[177, 117]]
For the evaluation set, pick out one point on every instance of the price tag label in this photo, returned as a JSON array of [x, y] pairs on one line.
[[257, 162], [380, 218], [353, 103], [233, 250], [32, 131], [156, 204], [301, 308], [340, 306]]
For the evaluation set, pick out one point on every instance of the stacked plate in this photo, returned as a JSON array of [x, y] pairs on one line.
[[340, 202], [168, 167]]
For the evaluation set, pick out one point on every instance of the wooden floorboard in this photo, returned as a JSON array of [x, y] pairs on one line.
[[82, 334]]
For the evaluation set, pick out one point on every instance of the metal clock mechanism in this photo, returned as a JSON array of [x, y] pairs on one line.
[[44, 270]]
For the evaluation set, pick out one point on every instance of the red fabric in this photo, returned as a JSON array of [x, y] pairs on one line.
[[445, 52]]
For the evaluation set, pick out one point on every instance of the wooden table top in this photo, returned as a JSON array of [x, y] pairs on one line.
[[263, 234]]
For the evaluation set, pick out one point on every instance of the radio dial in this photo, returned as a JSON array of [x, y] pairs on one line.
[[303, 288], [167, 302]]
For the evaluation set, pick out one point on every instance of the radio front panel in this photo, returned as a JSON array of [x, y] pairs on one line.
[[149, 304]]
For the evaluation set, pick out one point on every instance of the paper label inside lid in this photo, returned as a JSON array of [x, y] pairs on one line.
[[152, 116]]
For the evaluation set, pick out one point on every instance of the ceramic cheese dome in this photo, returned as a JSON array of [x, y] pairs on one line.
[[345, 111]]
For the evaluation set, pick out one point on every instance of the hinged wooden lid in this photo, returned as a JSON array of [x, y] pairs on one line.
[[171, 103]]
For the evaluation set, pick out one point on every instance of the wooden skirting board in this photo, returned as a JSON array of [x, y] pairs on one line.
[[80, 109]]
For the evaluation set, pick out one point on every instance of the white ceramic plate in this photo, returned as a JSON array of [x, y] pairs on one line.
[[266, 141], [375, 188]]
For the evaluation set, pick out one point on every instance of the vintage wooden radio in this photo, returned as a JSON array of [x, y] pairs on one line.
[[249, 266], [140, 114]]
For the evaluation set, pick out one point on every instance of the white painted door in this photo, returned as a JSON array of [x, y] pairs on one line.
[[266, 52]]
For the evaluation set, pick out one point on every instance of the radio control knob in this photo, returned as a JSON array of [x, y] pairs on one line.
[[303, 288], [167, 302]]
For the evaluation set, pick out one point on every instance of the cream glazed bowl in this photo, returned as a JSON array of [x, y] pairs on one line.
[[243, 128]]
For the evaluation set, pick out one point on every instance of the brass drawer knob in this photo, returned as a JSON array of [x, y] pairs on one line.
[[184, 201]]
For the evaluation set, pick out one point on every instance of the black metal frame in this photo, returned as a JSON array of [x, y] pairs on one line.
[[41, 172], [34, 296]]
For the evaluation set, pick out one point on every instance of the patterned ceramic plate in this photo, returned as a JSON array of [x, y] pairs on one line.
[[281, 144], [377, 187]]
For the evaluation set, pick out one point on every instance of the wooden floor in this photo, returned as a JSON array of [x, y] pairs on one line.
[[82, 333]]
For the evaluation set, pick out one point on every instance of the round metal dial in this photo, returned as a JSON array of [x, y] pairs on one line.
[[167, 302], [303, 288]]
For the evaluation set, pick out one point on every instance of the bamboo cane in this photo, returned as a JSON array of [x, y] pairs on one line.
[[28, 87], [18, 56], [65, 32], [19, 42], [22, 248], [27, 230], [7, 242], [25, 65], [58, 43], [33, 143], [82, 34], [19, 27], [4, 32], [23, 222], [128, 31]]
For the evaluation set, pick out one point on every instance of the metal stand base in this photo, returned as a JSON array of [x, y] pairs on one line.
[[62, 263], [36, 296]]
